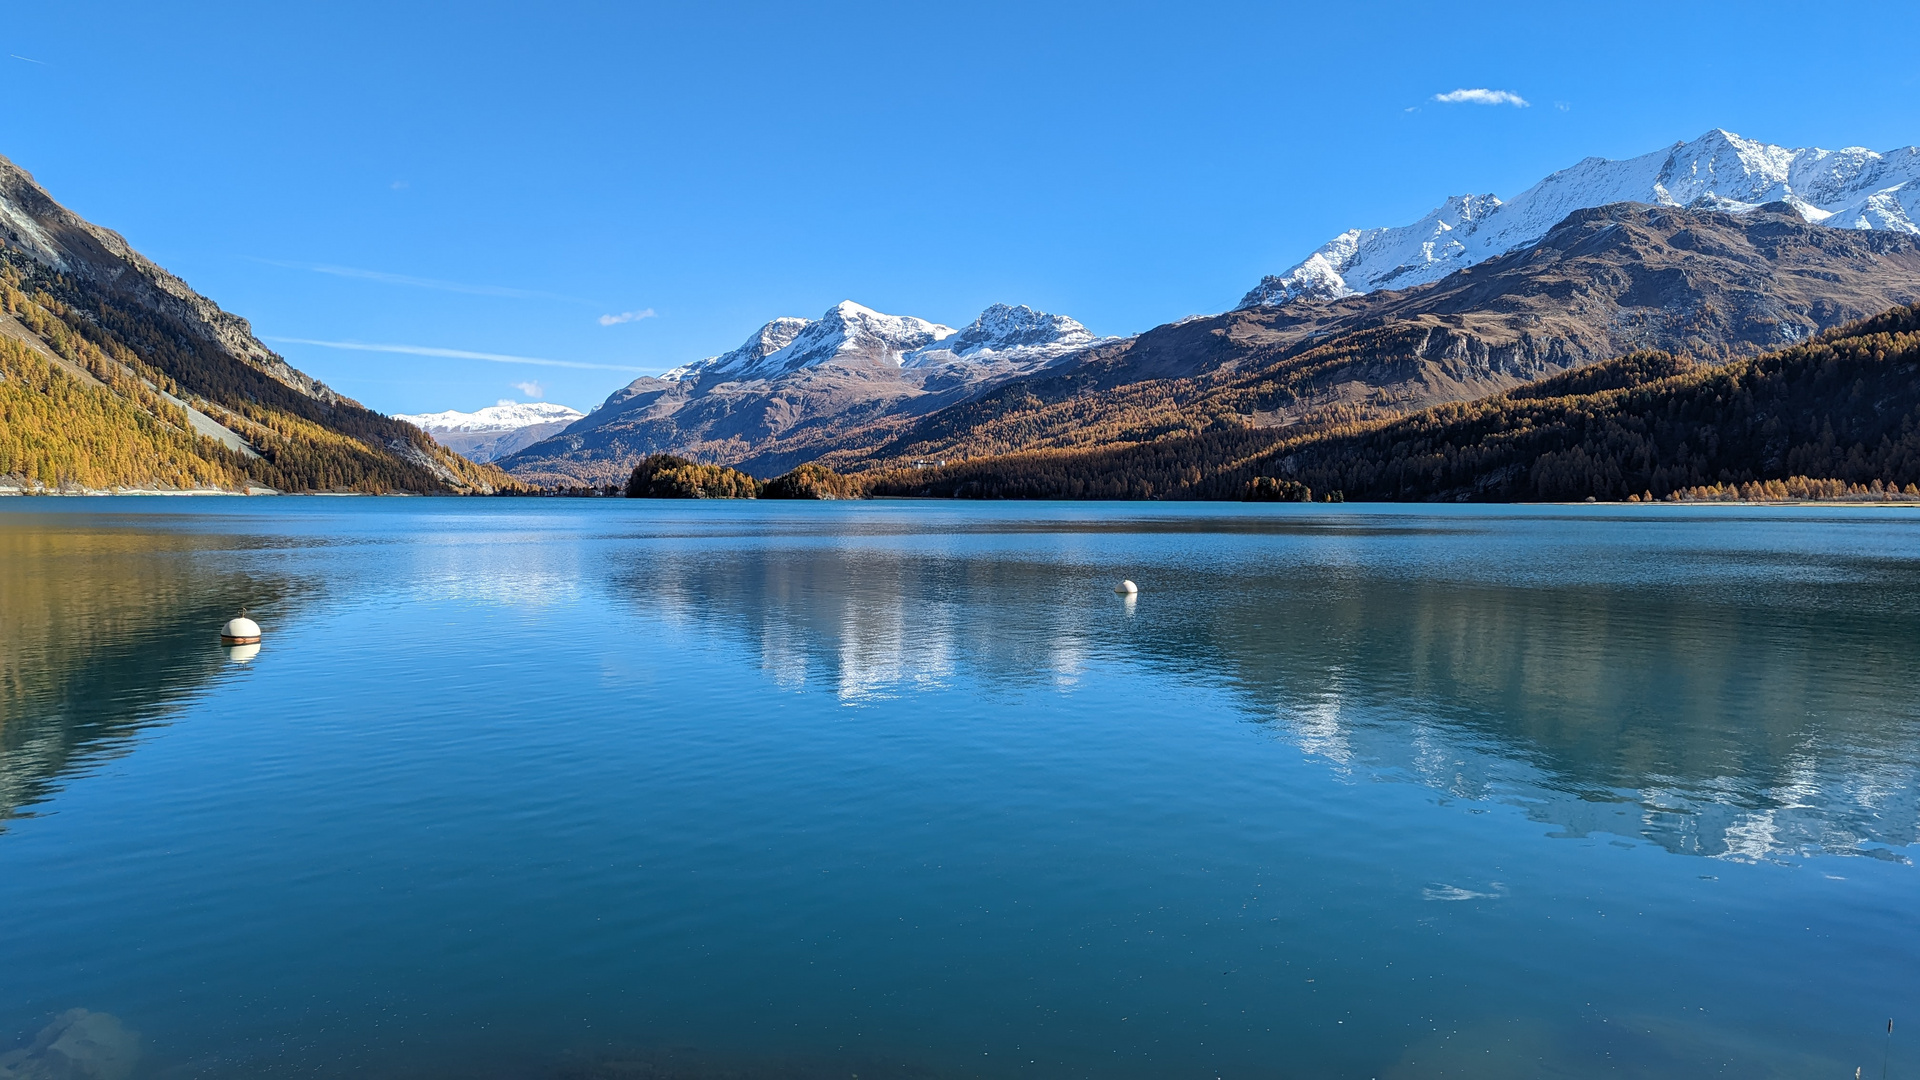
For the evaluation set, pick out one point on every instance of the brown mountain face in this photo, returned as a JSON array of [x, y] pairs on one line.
[[103, 315], [1836, 416], [775, 425], [1602, 283]]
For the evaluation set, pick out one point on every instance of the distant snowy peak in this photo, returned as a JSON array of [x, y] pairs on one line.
[[1852, 188], [851, 331], [496, 431], [847, 330], [1003, 331], [506, 416]]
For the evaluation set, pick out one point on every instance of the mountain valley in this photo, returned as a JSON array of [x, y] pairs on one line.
[[1716, 250]]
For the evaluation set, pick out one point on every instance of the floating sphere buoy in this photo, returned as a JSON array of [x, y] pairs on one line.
[[240, 631], [1126, 588]]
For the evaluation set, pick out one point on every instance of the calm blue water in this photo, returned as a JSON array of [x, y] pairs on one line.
[[527, 788]]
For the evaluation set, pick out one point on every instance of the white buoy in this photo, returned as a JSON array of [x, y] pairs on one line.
[[240, 631], [1126, 588]]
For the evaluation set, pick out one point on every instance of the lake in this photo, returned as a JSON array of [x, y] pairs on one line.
[[636, 789]]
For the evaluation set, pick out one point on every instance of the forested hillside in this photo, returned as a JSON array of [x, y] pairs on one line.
[[57, 430], [119, 375], [1843, 409]]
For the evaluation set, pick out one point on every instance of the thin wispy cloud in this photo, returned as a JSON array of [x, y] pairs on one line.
[[442, 286], [28, 59], [626, 317], [454, 354], [530, 388], [1481, 96], [412, 282]]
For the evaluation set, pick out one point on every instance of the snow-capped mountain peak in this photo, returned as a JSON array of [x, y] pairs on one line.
[[497, 430], [505, 416], [847, 331], [850, 331], [1005, 331], [1852, 188], [765, 341]]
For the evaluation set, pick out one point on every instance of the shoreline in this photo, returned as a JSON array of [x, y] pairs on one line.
[[14, 490], [11, 490]]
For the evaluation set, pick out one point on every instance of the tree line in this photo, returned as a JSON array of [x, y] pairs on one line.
[[58, 432], [666, 476], [1836, 415], [305, 444]]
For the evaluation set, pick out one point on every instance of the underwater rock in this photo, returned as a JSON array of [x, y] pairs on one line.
[[78, 1045]]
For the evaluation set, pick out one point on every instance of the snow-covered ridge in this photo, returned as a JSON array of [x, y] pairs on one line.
[[505, 416], [851, 331], [1854, 188], [1004, 331], [498, 430]]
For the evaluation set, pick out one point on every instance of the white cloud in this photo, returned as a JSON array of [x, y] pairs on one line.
[[454, 354], [530, 388], [1482, 97], [626, 316]]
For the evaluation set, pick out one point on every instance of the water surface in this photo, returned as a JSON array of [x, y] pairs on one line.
[[530, 788]]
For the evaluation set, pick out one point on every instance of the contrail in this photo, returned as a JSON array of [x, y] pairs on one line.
[[423, 283], [455, 354]]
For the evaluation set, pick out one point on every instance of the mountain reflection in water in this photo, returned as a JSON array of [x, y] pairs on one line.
[[107, 631], [1733, 704], [596, 788]]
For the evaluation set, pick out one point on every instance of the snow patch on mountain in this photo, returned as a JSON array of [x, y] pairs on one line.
[[1853, 188]]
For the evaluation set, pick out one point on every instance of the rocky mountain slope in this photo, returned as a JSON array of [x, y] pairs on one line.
[[1835, 416], [1719, 248], [1604, 282], [116, 331], [495, 431], [1854, 188], [797, 387]]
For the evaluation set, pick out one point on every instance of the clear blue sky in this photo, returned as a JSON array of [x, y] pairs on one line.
[[495, 178]]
